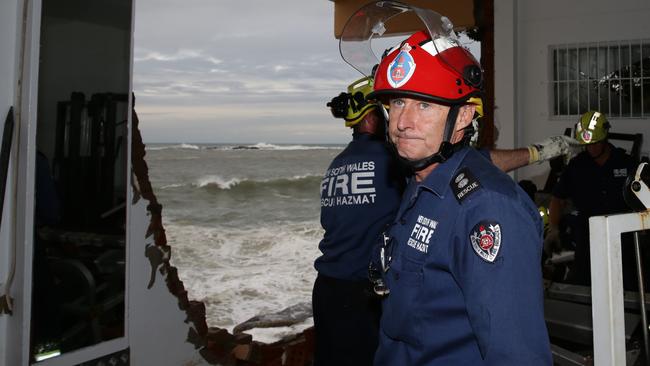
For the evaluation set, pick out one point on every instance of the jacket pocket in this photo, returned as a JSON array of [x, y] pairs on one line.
[[399, 318]]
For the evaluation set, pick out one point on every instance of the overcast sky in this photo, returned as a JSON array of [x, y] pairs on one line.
[[238, 71]]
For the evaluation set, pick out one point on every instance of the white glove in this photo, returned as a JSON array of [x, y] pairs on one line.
[[553, 147]]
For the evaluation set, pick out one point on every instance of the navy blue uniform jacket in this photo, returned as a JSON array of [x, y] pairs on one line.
[[464, 272], [360, 194], [595, 189]]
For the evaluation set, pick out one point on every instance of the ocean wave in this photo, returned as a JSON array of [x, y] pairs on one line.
[[217, 181], [175, 185], [266, 146], [267, 267], [224, 184], [174, 147], [258, 146], [220, 183]]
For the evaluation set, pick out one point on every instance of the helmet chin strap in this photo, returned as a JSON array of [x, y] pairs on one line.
[[445, 151]]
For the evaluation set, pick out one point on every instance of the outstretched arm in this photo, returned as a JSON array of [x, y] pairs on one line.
[[508, 160], [552, 147]]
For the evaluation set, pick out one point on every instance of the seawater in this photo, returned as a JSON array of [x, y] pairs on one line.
[[243, 224]]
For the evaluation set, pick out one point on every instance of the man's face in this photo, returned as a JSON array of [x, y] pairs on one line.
[[596, 149], [416, 127]]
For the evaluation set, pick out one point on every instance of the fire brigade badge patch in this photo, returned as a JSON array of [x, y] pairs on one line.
[[402, 68], [486, 240]]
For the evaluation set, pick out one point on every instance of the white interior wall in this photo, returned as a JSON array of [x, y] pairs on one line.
[[505, 48], [155, 320], [9, 15], [539, 25], [19, 23]]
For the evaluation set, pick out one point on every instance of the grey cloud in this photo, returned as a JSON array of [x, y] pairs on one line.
[[217, 56]]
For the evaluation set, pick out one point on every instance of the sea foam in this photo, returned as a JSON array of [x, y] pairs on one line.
[[243, 272]]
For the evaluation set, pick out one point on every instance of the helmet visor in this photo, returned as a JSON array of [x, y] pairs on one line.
[[366, 24], [382, 19]]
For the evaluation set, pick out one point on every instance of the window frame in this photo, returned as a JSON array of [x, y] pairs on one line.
[[560, 60]]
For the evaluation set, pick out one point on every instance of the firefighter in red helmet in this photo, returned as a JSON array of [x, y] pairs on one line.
[[461, 260], [436, 72]]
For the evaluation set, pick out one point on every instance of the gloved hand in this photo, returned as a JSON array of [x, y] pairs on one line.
[[552, 241], [553, 147]]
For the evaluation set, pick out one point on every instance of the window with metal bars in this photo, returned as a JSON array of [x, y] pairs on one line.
[[613, 78]]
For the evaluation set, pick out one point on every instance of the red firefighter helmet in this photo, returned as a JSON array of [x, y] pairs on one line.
[[438, 70], [429, 65]]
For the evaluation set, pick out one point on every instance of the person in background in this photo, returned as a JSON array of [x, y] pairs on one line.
[[359, 194], [593, 181], [460, 261]]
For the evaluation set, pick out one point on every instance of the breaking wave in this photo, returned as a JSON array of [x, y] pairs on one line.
[[266, 267], [218, 183], [174, 147], [257, 146], [265, 146], [215, 182], [175, 185], [243, 224]]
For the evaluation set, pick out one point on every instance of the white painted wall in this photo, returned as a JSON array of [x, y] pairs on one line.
[[16, 66], [538, 25], [21, 177], [10, 13], [505, 73], [157, 328]]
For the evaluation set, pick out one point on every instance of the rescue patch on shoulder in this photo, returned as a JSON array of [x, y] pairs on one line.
[[463, 184], [486, 240]]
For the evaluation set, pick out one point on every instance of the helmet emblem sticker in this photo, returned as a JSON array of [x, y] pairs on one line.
[[486, 240], [402, 68], [594, 120], [586, 136]]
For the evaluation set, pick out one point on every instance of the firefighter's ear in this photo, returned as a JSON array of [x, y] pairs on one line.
[[465, 116]]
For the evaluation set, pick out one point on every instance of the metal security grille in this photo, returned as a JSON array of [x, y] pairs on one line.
[[613, 78]]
